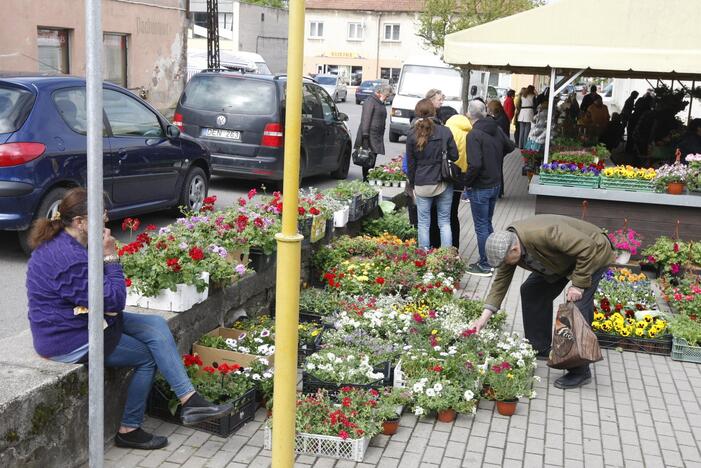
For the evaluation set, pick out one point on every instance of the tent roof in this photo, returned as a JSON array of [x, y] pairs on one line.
[[621, 38]]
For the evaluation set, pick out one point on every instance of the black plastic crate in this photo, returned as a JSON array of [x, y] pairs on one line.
[[244, 409], [307, 349], [356, 208], [311, 384], [258, 261], [661, 346], [330, 231]]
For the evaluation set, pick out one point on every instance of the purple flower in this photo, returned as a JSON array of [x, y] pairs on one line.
[[240, 269], [183, 246]]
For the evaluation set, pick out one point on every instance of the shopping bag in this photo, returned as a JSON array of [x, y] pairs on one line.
[[363, 157], [574, 343]]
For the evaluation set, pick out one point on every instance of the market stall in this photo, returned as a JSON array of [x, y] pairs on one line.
[[624, 39]]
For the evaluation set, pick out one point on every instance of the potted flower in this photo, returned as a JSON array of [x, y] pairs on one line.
[[672, 178], [446, 397], [389, 408], [509, 383], [626, 242], [694, 177]]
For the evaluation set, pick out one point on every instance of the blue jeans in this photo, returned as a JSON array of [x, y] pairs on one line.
[[482, 203], [146, 345], [444, 201]]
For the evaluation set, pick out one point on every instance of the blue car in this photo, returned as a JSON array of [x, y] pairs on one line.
[[148, 165]]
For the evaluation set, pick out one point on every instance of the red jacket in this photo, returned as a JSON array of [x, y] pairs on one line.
[[509, 108]]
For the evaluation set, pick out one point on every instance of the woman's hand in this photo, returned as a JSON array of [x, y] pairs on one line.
[[109, 246], [481, 322]]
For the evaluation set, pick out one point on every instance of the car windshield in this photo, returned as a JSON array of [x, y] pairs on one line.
[[417, 79], [15, 105], [231, 94], [326, 80]]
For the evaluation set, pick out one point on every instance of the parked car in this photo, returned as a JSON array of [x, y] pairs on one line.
[[240, 118], [366, 89], [335, 85], [148, 165]]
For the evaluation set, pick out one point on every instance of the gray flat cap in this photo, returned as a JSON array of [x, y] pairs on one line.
[[497, 246]]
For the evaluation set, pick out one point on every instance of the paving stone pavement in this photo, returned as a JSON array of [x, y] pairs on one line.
[[639, 411]]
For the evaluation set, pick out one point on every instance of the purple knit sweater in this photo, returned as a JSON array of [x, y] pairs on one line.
[[57, 282]]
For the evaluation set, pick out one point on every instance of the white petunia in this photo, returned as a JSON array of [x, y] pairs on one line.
[[255, 376], [469, 395], [430, 392], [533, 395], [418, 411], [438, 387], [418, 387]]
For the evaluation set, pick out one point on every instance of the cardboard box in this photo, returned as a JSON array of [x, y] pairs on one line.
[[211, 355]]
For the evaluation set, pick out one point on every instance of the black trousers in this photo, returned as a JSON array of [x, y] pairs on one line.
[[537, 296], [435, 236]]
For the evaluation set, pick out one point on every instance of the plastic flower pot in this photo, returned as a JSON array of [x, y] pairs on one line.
[[447, 415], [390, 426], [622, 257], [675, 188], [507, 408]]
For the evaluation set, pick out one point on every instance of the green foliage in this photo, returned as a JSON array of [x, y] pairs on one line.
[[396, 223], [268, 3], [442, 17], [682, 326], [322, 302]]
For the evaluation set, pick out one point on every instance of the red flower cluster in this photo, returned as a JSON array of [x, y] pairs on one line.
[[130, 249], [499, 368], [379, 280], [241, 223], [127, 282], [151, 227], [301, 211], [132, 224], [208, 204], [469, 332], [192, 360], [144, 238], [331, 280], [437, 368], [174, 264], [252, 193], [225, 368], [196, 254], [314, 211]]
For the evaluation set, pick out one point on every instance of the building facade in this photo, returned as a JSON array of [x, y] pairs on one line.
[[144, 43], [244, 27], [365, 39]]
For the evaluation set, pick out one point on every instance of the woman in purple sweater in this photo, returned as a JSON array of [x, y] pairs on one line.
[[57, 287]]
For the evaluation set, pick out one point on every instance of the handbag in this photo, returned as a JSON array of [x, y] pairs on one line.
[[363, 157], [574, 344], [449, 171]]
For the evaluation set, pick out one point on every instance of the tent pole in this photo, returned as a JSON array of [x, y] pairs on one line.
[[691, 101], [548, 125], [465, 88], [568, 81], [96, 381]]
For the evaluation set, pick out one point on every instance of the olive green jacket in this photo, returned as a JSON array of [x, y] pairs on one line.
[[565, 246]]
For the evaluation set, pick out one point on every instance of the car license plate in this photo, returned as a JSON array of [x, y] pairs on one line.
[[221, 133]]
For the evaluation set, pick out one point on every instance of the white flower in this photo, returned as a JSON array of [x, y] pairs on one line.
[[536, 378], [430, 392], [231, 343], [444, 354], [469, 395], [533, 395], [418, 411], [438, 387], [265, 332], [263, 361], [258, 340], [418, 387], [520, 363], [244, 350], [255, 376], [268, 375], [331, 356]]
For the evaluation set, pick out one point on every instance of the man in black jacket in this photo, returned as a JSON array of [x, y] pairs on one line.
[[487, 144], [371, 131], [589, 99]]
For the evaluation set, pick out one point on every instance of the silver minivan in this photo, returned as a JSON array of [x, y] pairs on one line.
[[335, 85]]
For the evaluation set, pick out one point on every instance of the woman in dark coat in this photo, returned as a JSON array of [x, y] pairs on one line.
[[496, 111], [371, 132]]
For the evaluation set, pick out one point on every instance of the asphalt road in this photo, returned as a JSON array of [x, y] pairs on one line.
[[13, 263]]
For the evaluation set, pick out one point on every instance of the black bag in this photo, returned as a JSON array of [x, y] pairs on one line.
[[449, 171], [363, 157]]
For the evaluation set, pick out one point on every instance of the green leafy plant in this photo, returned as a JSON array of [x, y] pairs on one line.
[[396, 223], [682, 326], [316, 301]]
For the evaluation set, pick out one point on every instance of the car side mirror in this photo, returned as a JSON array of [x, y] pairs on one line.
[[172, 131], [342, 117]]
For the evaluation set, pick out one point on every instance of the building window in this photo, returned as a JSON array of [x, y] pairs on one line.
[[391, 32], [391, 74], [114, 47], [53, 50], [355, 32], [316, 29]]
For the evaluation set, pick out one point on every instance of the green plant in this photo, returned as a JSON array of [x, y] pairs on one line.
[[574, 157], [389, 400], [682, 326], [602, 152], [396, 223], [316, 301], [666, 253], [509, 383]]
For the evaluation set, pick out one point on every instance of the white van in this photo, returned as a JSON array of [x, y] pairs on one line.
[[418, 75]]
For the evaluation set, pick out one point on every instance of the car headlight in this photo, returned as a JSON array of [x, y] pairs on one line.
[[396, 112]]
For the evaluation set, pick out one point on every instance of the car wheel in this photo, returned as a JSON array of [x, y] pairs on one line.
[[394, 137], [47, 208], [344, 165], [194, 189]]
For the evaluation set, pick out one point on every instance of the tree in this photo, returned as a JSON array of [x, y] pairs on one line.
[[269, 3], [441, 17]]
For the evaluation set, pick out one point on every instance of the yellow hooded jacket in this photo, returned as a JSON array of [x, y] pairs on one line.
[[460, 126]]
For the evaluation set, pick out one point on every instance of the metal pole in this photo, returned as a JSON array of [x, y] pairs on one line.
[[289, 255], [93, 78], [691, 101], [548, 125]]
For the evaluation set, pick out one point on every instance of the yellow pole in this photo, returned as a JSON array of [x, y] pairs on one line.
[[289, 254]]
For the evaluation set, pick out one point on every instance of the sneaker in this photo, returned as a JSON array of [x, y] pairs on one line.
[[478, 270]]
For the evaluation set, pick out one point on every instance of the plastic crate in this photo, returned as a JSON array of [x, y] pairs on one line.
[[681, 351], [244, 409], [569, 180], [324, 446], [307, 349], [356, 208], [632, 185], [661, 346], [259, 261]]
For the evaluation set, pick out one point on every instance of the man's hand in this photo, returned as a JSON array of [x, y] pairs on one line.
[[481, 322], [574, 294], [108, 243]]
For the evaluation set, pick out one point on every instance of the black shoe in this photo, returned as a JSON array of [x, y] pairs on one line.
[[477, 270], [543, 355], [140, 439], [203, 411], [570, 380]]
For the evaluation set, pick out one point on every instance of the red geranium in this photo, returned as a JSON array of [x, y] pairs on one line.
[[127, 282], [301, 211], [132, 224], [379, 280], [343, 435], [196, 253], [242, 202], [191, 360], [151, 227], [241, 223], [174, 264], [314, 211], [252, 193], [437, 368], [209, 369]]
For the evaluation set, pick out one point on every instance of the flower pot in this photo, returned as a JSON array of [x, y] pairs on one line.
[[390, 427], [507, 408], [402, 184], [447, 415], [622, 257], [675, 188], [183, 298]]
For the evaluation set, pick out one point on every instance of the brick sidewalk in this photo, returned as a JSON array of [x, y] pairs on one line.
[[640, 410]]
